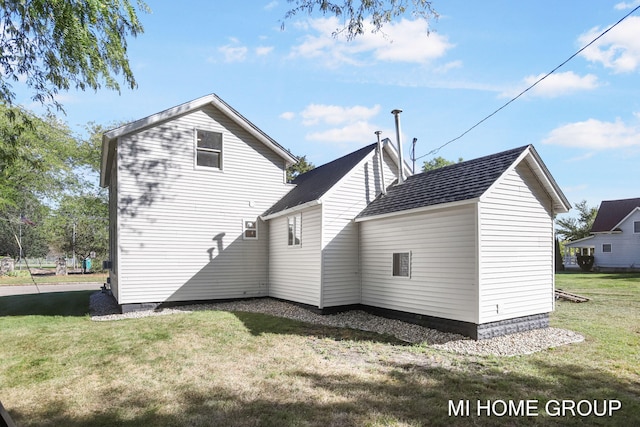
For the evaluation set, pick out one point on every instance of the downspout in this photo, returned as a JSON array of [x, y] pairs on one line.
[[383, 184], [396, 113]]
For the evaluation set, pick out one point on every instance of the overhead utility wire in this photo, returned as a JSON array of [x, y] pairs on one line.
[[435, 151]]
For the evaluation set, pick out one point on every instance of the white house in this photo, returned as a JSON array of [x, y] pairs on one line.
[[615, 236], [200, 210]]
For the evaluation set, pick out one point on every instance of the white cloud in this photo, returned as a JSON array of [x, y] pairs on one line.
[[627, 5], [288, 115], [264, 50], [335, 115], [405, 41], [555, 85], [594, 134], [271, 5], [359, 131], [234, 51], [618, 50]]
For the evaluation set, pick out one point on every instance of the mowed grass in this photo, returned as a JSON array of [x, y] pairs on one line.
[[58, 368], [23, 278]]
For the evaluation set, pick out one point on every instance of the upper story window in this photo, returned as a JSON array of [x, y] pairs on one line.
[[295, 230], [208, 149], [606, 247], [636, 226]]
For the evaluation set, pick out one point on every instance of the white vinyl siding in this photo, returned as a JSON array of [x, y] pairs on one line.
[[516, 248], [340, 263], [294, 271], [180, 234], [443, 280], [625, 245]]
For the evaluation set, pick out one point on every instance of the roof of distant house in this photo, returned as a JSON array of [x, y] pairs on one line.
[[611, 212]]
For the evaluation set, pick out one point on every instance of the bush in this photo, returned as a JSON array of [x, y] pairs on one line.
[[585, 262]]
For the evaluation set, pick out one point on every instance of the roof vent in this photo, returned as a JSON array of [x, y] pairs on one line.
[[396, 113]]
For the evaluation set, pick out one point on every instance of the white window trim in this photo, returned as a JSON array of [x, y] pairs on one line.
[[297, 225], [410, 264], [610, 248], [196, 149], [244, 229], [634, 227]]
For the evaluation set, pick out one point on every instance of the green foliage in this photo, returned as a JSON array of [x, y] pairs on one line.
[[299, 168], [437, 163], [36, 157], [80, 225], [356, 14], [58, 45], [572, 228]]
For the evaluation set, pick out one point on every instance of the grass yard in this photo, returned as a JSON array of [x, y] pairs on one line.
[[23, 278], [58, 368]]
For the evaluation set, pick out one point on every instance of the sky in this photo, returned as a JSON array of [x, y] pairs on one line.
[[323, 96]]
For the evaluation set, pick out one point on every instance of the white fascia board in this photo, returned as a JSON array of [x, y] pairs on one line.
[[570, 244], [419, 210], [291, 210]]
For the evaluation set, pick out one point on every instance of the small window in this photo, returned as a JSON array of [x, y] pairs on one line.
[[636, 226], [294, 230], [208, 149], [402, 264], [606, 247], [250, 229]]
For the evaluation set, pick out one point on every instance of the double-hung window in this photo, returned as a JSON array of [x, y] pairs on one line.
[[208, 149], [250, 229], [294, 227], [401, 264]]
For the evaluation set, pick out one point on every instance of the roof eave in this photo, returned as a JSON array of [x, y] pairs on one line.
[[291, 210], [418, 210]]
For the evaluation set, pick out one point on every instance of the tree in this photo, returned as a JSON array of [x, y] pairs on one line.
[[355, 13], [58, 45], [299, 168], [577, 228], [437, 163], [80, 226], [35, 158]]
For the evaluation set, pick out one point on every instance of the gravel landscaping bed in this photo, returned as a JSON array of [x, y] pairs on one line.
[[104, 308]]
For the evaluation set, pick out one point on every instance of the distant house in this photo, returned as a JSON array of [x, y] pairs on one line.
[[200, 210], [615, 236]]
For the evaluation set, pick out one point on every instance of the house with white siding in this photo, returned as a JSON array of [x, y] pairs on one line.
[[200, 210], [615, 237]]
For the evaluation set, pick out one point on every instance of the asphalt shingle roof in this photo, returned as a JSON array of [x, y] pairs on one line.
[[314, 184], [611, 212], [458, 182]]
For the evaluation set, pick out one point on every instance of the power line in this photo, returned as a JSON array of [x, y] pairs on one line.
[[435, 151]]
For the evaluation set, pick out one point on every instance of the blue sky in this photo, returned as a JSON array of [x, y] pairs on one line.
[[323, 97]]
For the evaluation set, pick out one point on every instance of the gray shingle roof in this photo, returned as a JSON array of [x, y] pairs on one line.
[[314, 184], [458, 182], [611, 212]]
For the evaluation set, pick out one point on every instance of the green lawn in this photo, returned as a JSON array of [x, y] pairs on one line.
[[23, 278], [58, 368]]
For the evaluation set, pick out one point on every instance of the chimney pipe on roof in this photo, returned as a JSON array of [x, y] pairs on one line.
[[396, 113], [383, 184]]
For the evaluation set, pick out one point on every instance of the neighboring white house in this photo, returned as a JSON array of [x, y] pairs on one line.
[[200, 210], [615, 236]]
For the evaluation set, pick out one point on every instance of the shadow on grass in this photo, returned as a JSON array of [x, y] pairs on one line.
[[258, 324], [46, 304], [408, 394]]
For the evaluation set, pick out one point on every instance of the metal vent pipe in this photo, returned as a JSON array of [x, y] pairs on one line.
[[396, 113], [383, 184]]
